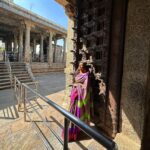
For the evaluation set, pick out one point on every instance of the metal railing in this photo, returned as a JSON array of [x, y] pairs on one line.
[[7, 62], [19, 92], [100, 138]]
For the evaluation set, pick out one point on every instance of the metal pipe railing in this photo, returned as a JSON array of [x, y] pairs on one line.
[[7, 62], [19, 91], [100, 138]]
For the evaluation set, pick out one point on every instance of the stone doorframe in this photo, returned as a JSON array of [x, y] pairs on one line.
[[115, 69]]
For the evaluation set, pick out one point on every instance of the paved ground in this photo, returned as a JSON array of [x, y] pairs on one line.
[[15, 134], [51, 83]]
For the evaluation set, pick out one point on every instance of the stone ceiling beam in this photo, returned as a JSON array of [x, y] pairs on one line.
[[26, 14], [9, 21]]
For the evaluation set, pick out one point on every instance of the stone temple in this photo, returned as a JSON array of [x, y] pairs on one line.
[[28, 37], [113, 37]]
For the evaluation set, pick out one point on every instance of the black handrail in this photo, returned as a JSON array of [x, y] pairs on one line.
[[100, 138]]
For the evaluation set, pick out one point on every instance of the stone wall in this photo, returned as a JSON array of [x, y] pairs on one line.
[[135, 101], [135, 73], [58, 54], [69, 58], [38, 68]]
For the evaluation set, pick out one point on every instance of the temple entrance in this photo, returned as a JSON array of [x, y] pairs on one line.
[[93, 21]]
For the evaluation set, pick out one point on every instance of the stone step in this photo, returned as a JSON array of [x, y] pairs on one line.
[[17, 64], [5, 87], [3, 70], [4, 80], [2, 63], [4, 83], [4, 73], [19, 72], [4, 76], [3, 67], [18, 69]]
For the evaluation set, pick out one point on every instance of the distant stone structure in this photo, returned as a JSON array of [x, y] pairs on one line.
[[31, 38], [115, 36]]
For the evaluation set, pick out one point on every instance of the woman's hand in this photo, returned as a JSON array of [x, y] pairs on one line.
[[76, 84]]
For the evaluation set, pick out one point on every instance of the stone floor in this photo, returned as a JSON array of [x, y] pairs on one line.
[[15, 134]]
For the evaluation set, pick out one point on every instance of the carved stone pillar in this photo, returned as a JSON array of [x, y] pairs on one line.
[[54, 52], [9, 45], [21, 45], [34, 48], [27, 43], [64, 51], [50, 49], [41, 49], [15, 42]]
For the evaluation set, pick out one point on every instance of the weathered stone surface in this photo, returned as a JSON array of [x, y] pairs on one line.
[[136, 58], [46, 68], [69, 58]]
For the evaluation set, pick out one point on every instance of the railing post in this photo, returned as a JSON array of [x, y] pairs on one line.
[[19, 95], [36, 86], [66, 124], [15, 84], [24, 102]]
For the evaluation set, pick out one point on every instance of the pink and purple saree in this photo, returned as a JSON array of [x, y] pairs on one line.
[[81, 104]]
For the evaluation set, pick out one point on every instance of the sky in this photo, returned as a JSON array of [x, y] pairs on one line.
[[46, 8]]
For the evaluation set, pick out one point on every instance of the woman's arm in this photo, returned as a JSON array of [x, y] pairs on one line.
[[76, 84]]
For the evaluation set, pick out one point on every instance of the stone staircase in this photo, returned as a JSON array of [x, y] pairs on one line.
[[19, 70], [4, 76]]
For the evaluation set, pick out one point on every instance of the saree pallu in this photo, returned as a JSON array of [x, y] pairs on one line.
[[81, 104]]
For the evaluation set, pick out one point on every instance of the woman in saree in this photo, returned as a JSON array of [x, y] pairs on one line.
[[81, 104]]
